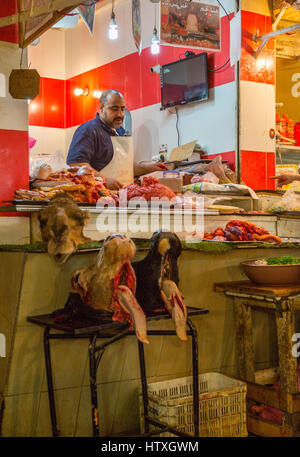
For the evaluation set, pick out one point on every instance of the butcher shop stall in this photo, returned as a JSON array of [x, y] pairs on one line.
[[168, 307]]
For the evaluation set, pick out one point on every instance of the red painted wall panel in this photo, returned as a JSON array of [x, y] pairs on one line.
[[133, 93], [256, 167], [54, 103], [14, 162], [48, 109], [130, 75], [262, 68]]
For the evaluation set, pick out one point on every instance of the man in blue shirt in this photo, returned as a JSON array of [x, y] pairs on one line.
[[92, 145]]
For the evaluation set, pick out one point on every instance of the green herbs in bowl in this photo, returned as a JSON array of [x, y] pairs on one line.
[[285, 260], [273, 271]]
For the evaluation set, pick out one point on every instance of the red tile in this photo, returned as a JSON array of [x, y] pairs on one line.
[[117, 75], [270, 170], [14, 164], [35, 108], [77, 112], [260, 24], [216, 60], [53, 103], [103, 77], [68, 113], [90, 103], [133, 94], [247, 66], [254, 169], [149, 81], [248, 23], [270, 66], [167, 54]]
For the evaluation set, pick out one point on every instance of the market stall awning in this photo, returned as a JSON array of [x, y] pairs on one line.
[[34, 17]]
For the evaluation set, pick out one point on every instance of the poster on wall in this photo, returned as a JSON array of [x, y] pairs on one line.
[[88, 15], [136, 24], [192, 24]]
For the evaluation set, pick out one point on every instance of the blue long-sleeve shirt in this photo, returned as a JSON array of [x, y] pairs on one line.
[[91, 144]]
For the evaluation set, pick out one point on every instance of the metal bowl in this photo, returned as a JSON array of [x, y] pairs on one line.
[[272, 275]]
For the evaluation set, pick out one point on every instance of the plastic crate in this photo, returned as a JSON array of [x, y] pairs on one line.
[[222, 405]]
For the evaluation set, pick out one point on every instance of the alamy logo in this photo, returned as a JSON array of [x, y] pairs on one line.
[[2, 345], [296, 347]]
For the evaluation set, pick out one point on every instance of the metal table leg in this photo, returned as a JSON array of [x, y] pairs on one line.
[[55, 431], [195, 375], [93, 385], [144, 384]]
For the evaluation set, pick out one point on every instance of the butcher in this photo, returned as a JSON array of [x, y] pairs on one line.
[[101, 144]]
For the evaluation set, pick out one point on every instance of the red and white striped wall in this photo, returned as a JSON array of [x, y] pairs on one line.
[[13, 127], [74, 58], [257, 92]]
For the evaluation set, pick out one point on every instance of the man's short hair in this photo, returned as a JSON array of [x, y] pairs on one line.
[[107, 93]]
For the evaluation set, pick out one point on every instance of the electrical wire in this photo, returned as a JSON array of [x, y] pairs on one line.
[[228, 60], [224, 10], [177, 120], [222, 66]]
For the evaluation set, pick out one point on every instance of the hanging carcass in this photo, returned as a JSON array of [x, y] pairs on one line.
[[157, 280]]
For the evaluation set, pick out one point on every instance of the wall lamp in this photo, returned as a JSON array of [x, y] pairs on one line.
[[81, 91]]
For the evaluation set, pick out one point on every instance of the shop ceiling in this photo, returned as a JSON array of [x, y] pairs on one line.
[[286, 29], [34, 17]]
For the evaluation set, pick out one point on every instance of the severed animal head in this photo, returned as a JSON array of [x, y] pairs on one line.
[[157, 280], [110, 284], [62, 223]]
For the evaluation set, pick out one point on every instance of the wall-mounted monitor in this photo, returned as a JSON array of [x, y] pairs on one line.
[[184, 81]]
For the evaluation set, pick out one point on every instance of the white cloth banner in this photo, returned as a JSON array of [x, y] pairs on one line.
[[235, 39]]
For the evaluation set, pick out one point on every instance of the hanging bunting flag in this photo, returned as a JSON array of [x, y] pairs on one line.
[[88, 15], [136, 24]]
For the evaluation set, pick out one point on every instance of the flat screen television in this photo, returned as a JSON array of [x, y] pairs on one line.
[[184, 81]]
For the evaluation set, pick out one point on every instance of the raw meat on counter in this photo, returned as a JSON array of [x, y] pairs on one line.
[[237, 230], [148, 189], [78, 182]]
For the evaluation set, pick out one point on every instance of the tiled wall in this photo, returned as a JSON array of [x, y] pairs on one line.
[[13, 118], [119, 66], [257, 98]]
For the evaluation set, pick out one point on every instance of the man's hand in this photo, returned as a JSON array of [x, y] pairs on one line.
[[285, 179], [148, 167], [112, 184]]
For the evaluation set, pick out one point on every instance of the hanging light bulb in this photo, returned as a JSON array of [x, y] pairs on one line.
[[155, 42], [113, 31]]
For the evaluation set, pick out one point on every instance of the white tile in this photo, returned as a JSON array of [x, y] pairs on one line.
[[13, 112], [257, 116], [152, 127]]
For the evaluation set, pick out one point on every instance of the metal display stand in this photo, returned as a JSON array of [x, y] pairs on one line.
[[112, 332]]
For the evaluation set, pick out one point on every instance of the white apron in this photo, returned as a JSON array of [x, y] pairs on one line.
[[121, 165]]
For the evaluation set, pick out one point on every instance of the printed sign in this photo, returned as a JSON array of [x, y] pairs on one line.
[[190, 24]]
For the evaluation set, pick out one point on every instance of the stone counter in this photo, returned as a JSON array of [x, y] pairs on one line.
[[32, 283]]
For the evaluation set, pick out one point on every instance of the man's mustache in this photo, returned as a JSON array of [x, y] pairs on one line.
[[119, 119]]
